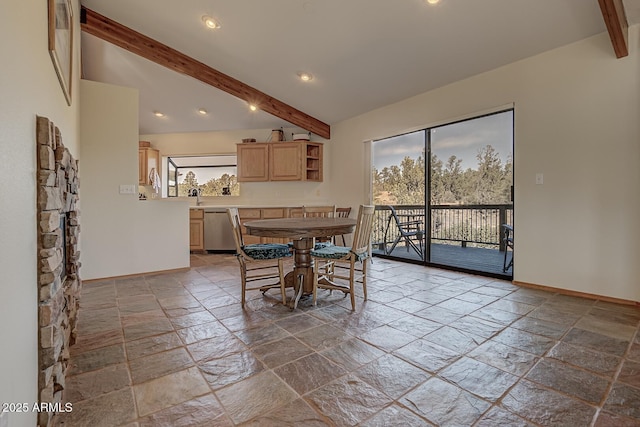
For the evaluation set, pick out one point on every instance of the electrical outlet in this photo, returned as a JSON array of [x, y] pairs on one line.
[[539, 179]]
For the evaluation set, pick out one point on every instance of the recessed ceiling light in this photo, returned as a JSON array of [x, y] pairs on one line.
[[433, 1], [305, 77], [253, 107], [158, 114], [210, 22], [203, 111]]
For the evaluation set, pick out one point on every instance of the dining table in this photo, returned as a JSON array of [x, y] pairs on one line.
[[302, 232]]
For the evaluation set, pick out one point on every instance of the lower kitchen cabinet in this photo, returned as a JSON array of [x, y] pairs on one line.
[[196, 229], [198, 218]]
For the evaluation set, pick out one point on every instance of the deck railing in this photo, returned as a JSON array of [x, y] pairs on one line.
[[478, 225]]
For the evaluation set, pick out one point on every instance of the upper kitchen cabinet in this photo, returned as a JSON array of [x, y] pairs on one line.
[[148, 163], [253, 162], [312, 160], [280, 161], [285, 161]]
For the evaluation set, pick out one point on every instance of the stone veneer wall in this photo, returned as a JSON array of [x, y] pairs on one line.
[[57, 174]]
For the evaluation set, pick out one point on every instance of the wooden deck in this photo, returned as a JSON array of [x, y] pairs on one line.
[[469, 259]]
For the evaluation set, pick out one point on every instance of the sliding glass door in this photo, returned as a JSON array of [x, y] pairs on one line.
[[452, 211], [470, 193]]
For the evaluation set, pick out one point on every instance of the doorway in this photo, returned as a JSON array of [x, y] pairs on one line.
[[444, 195]]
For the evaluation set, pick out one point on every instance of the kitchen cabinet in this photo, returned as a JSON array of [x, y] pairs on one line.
[[285, 162], [253, 162], [148, 162], [312, 161], [196, 229], [280, 161]]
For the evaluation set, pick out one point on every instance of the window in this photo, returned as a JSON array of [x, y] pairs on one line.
[[213, 175]]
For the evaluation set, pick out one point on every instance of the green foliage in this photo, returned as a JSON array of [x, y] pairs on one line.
[[404, 184], [213, 187], [190, 179], [400, 185]]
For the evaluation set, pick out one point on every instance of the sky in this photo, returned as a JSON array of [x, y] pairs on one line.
[[462, 139]]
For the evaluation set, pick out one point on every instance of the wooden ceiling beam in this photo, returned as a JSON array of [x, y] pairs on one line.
[[616, 22], [106, 29]]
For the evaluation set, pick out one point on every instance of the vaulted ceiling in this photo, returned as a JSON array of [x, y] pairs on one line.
[[363, 54]]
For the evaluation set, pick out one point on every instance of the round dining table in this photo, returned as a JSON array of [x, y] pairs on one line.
[[302, 232]]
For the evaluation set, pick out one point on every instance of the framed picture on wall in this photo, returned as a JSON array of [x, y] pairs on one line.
[[61, 42]]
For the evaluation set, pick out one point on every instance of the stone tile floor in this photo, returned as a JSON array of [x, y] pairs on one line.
[[429, 347]]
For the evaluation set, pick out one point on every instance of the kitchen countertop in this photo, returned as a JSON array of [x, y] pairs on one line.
[[228, 205], [244, 206]]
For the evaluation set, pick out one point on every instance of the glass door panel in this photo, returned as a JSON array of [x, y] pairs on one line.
[[470, 193], [399, 191]]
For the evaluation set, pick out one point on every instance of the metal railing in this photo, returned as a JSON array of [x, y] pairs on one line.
[[478, 225]]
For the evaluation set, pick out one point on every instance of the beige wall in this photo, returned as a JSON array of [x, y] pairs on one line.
[[576, 121], [122, 235], [28, 87], [251, 193]]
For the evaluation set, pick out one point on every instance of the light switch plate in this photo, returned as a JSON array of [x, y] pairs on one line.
[[4, 419], [539, 179], [128, 189]]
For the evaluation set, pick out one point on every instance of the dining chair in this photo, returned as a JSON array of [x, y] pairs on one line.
[[258, 262], [410, 230], [507, 233], [320, 212], [296, 212], [333, 262], [342, 213]]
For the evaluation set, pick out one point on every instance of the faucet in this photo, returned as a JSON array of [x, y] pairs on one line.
[[196, 192]]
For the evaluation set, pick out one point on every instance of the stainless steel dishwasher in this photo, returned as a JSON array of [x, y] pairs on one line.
[[218, 235]]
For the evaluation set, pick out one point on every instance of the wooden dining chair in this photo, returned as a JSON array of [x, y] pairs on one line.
[[320, 212], [345, 264], [342, 213], [297, 212], [258, 262]]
